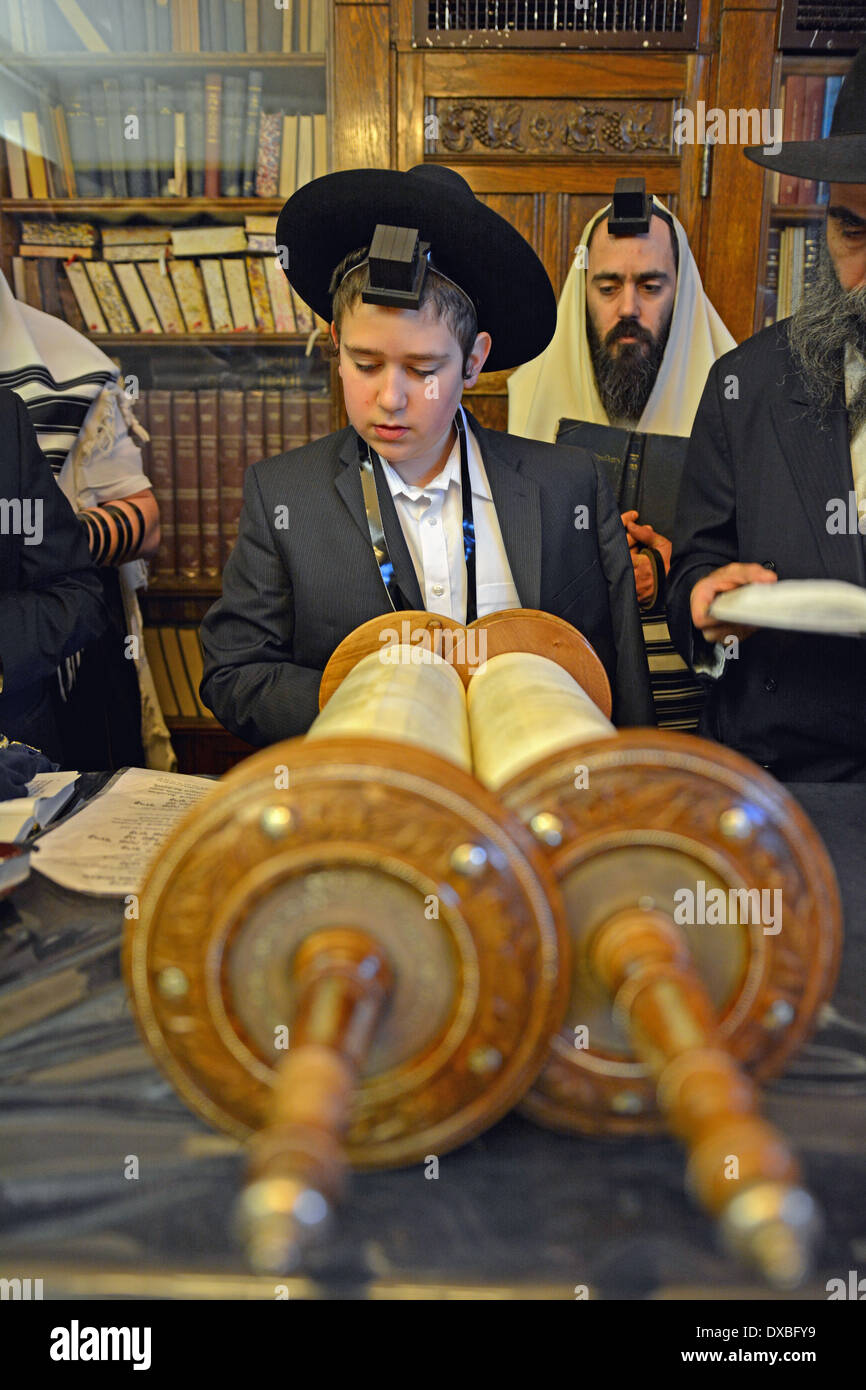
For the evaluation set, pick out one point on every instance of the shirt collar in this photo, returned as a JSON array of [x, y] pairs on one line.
[[450, 473]]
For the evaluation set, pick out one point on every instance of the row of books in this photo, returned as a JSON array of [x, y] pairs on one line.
[[164, 26], [807, 112], [209, 138], [176, 663], [792, 259], [242, 294], [200, 445]]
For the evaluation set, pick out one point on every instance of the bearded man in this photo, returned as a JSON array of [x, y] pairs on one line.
[[635, 338], [778, 446]]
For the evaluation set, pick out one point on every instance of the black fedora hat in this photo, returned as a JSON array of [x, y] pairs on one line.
[[475, 247], [841, 156]]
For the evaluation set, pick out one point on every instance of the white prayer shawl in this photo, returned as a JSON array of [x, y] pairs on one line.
[[560, 383]]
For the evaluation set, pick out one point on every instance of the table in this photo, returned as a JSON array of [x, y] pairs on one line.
[[520, 1212]]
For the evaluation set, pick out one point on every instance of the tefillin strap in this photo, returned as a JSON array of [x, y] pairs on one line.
[[377, 530]]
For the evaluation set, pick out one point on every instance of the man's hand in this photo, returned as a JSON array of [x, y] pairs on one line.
[[639, 536], [721, 581]]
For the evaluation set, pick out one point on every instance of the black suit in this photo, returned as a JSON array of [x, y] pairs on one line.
[[291, 595], [759, 475], [50, 596]]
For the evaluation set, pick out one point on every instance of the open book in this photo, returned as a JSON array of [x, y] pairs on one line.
[[796, 605], [48, 794]]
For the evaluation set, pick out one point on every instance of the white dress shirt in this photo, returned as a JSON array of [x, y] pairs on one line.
[[432, 522]]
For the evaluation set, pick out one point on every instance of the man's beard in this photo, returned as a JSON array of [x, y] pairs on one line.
[[827, 319], [625, 379]]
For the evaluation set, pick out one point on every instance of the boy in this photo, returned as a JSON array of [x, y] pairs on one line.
[[414, 505]]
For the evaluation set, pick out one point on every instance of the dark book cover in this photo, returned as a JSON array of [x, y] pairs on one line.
[[69, 308], [208, 464], [320, 416], [273, 423], [792, 129], [165, 136], [212, 123], [186, 483], [234, 25], [217, 16], [234, 92], [251, 133], [151, 138], [195, 137], [813, 111], [270, 27], [232, 464], [100, 130], [204, 39], [82, 145], [254, 426], [135, 138], [162, 477], [296, 425], [49, 288], [116, 142]]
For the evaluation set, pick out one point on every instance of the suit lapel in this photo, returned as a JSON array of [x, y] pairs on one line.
[[518, 510], [820, 461], [348, 485]]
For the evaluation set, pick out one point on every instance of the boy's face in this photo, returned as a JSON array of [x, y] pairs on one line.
[[402, 374]]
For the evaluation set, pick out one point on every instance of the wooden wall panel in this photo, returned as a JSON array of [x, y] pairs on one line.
[[362, 86]]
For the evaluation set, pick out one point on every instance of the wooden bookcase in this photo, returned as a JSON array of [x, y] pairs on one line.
[[780, 218], [299, 82]]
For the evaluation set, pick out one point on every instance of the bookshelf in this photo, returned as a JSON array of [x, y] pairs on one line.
[[804, 88], [126, 124]]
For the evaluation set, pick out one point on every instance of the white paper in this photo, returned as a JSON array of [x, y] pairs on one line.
[[109, 845], [796, 605], [48, 792]]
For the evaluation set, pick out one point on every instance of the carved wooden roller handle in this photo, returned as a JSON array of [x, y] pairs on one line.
[[740, 1167], [297, 1166]]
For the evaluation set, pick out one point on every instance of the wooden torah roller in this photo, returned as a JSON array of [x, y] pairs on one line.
[[705, 924], [350, 952]]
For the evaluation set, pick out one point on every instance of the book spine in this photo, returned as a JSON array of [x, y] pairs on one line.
[[305, 151], [151, 138], [186, 478], [212, 119], [110, 298], [87, 301], [217, 25], [318, 26], [208, 458], [270, 27], [32, 287], [168, 636], [135, 35], [131, 253], [771, 277], [235, 36], [261, 300], [48, 288], [813, 109], [273, 423], [163, 26], [254, 111], [795, 92], [296, 423], [159, 287], [69, 307], [162, 478], [62, 135], [251, 25], [190, 292], [215, 289], [165, 137], [156, 661], [233, 136], [254, 426], [134, 132], [320, 145], [281, 300], [810, 254], [82, 146], [137, 298], [268, 164], [239, 296], [102, 170], [34, 154], [231, 443], [288, 156], [114, 126], [15, 158], [195, 137], [320, 416], [193, 661], [288, 34], [89, 35], [831, 92], [57, 253], [303, 316], [58, 233]]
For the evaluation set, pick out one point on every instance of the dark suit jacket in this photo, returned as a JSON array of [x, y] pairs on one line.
[[291, 595], [759, 475], [50, 595]]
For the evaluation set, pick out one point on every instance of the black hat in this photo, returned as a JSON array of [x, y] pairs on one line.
[[469, 243], [841, 156]]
